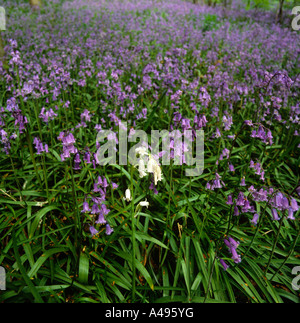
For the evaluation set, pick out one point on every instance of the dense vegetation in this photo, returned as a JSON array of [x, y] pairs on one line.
[[69, 232]]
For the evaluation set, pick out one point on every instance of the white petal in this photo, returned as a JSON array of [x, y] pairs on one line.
[[127, 195], [144, 203]]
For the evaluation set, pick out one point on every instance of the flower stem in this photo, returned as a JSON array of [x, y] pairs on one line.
[[133, 237], [287, 257], [274, 245]]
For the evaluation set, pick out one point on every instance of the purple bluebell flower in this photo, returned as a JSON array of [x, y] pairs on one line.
[[102, 192], [218, 133], [68, 139], [39, 146], [99, 181], [47, 115], [98, 200], [285, 203], [258, 169], [153, 188], [252, 209], [77, 162], [261, 134], [233, 243], [226, 241], [224, 154], [5, 141], [253, 134], [236, 211], [235, 256], [229, 200], [61, 136], [114, 185], [263, 195], [87, 158], [85, 207], [294, 205], [13, 136], [95, 209], [104, 209], [270, 137], [255, 219], [291, 214], [275, 214], [200, 121], [217, 181], [246, 207], [227, 122], [249, 122], [68, 142], [231, 168], [93, 230], [243, 182], [232, 246], [94, 161], [251, 189], [85, 115], [104, 183], [224, 265], [109, 229], [96, 188], [101, 219], [278, 200], [240, 199]]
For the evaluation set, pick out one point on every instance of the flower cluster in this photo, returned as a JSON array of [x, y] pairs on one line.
[[282, 203], [68, 142], [277, 202], [264, 135], [20, 119], [258, 169], [122, 73], [216, 183], [148, 164], [39, 146], [98, 210], [47, 115], [232, 246], [5, 140], [85, 117]]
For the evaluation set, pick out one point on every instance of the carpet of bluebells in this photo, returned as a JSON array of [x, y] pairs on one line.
[[73, 230]]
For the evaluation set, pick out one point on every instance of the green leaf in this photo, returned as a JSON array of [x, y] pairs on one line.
[[38, 217], [138, 266], [43, 258], [143, 236], [26, 278], [83, 272]]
